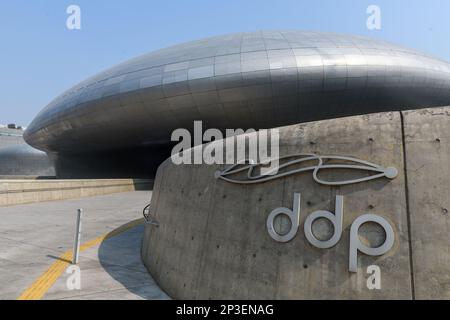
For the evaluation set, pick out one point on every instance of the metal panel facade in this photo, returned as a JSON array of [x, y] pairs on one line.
[[250, 80]]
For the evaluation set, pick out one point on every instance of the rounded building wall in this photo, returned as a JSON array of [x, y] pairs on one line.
[[24, 160], [212, 239], [245, 80]]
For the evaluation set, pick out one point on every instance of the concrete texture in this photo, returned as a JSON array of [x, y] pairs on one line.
[[217, 230], [427, 148], [33, 236], [212, 240], [111, 271], [14, 192]]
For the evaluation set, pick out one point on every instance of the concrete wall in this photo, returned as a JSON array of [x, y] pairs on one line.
[[14, 192], [427, 149], [212, 240]]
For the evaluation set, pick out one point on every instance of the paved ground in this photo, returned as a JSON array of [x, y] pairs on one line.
[[33, 237]]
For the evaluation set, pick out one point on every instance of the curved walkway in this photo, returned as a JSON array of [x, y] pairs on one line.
[[36, 242]]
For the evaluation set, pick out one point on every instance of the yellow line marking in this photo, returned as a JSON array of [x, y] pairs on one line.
[[40, 287]]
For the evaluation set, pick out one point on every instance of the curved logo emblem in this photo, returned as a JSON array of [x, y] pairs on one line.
[[292, 164]]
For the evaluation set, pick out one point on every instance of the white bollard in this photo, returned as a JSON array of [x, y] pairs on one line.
[[76, 245]]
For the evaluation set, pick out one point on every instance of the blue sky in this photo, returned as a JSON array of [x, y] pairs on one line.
[[40, 57]]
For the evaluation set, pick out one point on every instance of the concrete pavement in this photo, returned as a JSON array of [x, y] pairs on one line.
[[33, 237], [112, 270]]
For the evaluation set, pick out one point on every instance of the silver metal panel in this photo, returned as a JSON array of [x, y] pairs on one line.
[[256, 80], [23, 160]]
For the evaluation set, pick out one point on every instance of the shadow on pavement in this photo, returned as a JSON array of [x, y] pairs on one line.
[[120, 256]]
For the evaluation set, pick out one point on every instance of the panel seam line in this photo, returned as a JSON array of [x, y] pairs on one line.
[[408, 211]]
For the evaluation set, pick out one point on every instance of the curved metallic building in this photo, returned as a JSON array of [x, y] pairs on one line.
[[23, 160], [244, 80]]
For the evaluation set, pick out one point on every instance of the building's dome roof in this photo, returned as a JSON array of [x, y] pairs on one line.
[[258, 79]]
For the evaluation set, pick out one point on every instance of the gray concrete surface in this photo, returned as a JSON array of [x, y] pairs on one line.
[[427, 147], [33, 236], [112, 270], [212, 240], [217, 231]]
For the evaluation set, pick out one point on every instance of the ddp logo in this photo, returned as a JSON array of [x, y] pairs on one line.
[[336, 220], [293, 164]]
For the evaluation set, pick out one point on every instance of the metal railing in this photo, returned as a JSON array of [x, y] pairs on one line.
[[148, 217]]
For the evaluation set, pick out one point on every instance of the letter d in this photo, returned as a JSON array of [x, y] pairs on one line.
[[293, 215], [336, 220]]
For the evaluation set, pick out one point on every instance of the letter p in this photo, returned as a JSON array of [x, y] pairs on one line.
[[356, 244]]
